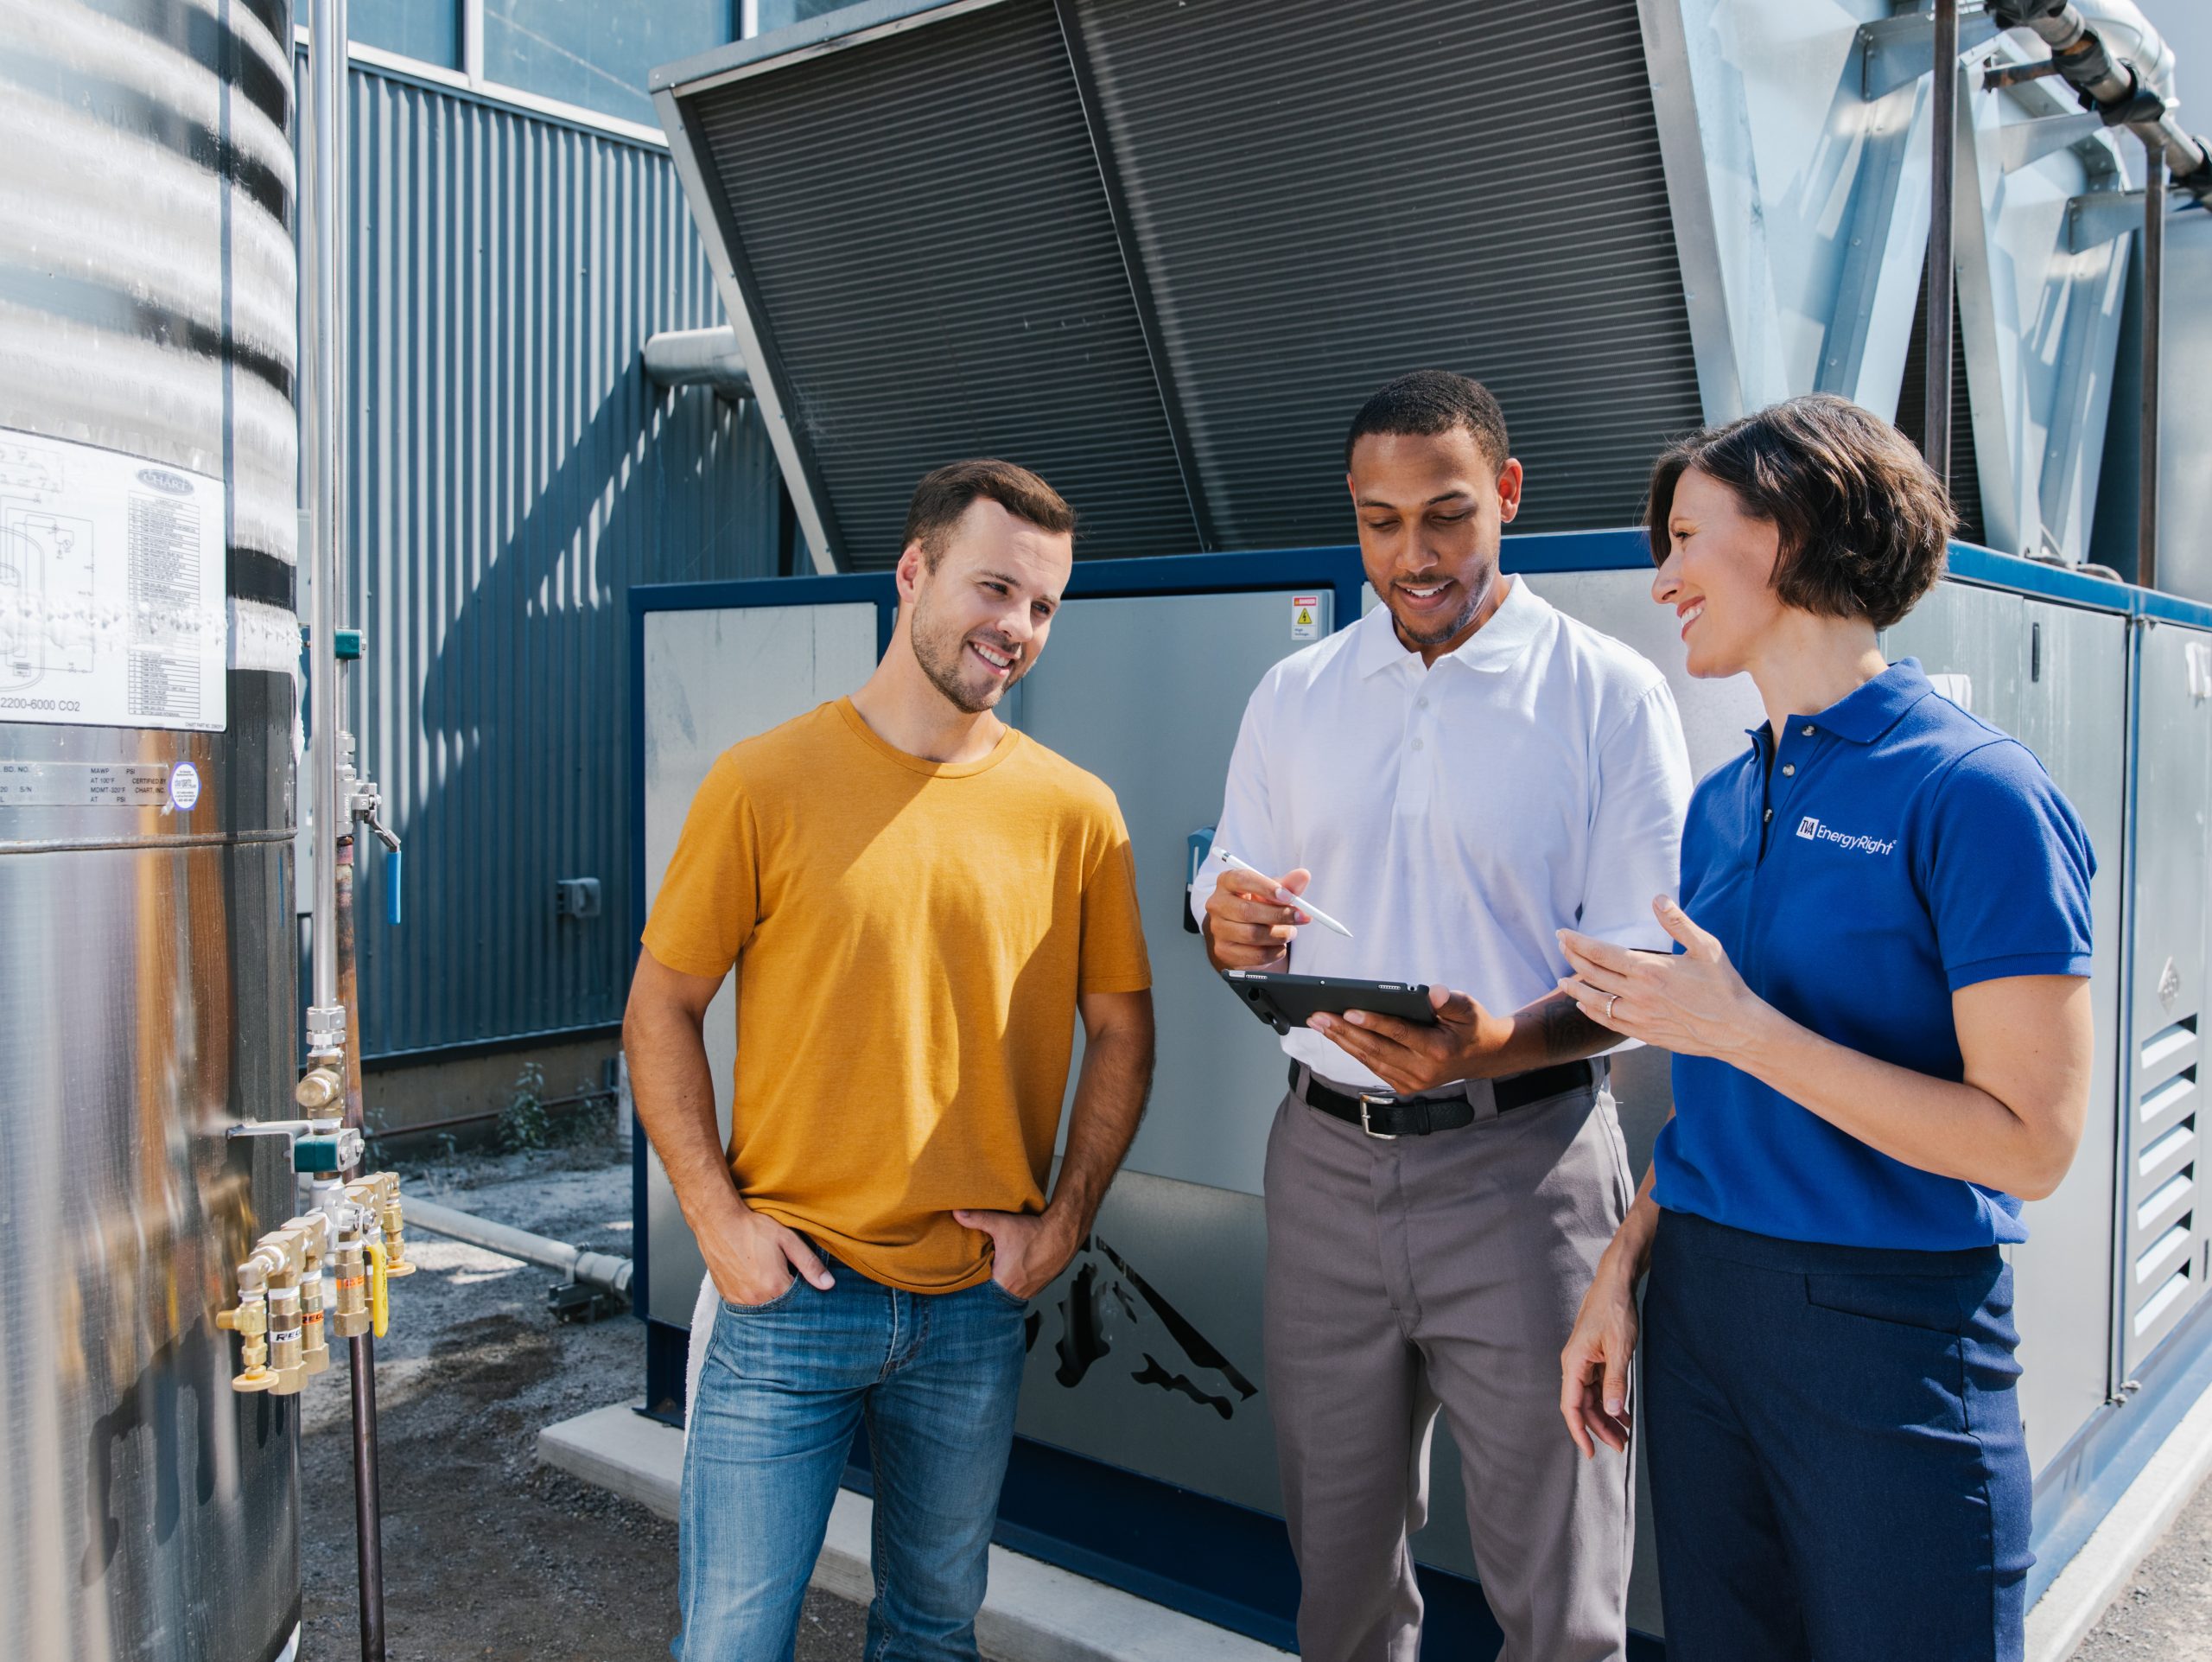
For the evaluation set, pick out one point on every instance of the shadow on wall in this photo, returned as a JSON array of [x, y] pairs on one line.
[[515, 773]]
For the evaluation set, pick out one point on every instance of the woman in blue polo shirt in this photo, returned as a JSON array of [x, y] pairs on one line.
[[1880, 1018]]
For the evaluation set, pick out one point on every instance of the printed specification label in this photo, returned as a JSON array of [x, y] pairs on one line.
[[112, 611], [86, 785]]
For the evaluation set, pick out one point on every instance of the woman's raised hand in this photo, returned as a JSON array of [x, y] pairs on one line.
[[1692, 1002]]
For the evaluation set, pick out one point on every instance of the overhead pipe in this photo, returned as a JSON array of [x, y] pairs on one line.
[[2124, 88], [1936, 434], [699, 358], [604, 1270]]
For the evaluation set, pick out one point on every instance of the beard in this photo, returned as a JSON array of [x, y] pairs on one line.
[[1436, 633], [942, 654]]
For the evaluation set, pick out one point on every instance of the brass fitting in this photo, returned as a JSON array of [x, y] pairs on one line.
[[250, 1320], [352, 1317], [315, 1343], [394, 1219], [320, 1087], [287, 1359]]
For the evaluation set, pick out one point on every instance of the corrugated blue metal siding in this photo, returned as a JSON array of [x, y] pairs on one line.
[[513, 474]]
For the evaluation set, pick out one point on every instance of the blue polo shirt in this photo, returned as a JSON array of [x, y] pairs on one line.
[[1896, 849]]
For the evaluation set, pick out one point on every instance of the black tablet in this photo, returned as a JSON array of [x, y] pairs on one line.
[[1284, 1001]]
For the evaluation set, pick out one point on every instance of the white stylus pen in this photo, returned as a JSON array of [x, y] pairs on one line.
[[1284, 895]]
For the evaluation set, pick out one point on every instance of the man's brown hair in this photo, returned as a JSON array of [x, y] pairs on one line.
[[1864, 521], [949, 492]]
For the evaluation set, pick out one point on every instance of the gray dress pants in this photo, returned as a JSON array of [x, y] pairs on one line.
[[1444, 1272]]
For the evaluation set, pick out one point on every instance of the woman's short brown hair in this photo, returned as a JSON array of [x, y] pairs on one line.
[[1864, 521]]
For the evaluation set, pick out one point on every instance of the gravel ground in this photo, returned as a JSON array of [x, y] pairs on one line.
[[489, 1555], [2165, 1613], [486, 1553]]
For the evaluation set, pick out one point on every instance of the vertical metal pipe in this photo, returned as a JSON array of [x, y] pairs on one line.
[[368, 1500], [2154, 294], [348, 982], [1944, 150], [368, 1504], [327, 80]]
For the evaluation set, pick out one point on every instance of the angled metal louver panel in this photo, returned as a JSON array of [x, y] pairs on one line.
[[1326, 196], [931, 252]]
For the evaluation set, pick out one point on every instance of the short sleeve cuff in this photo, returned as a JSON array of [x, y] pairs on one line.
[[1132, 981], [1998, 969], [681, 961]]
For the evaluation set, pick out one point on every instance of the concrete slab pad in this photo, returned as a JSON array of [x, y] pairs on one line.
[[2084, 1590], [1034, 1612]]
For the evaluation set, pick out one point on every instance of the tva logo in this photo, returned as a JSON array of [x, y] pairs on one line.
[[1812, 831]]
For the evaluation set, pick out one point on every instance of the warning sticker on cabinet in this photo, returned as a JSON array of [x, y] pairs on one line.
[[1305, 617], [111, 609]]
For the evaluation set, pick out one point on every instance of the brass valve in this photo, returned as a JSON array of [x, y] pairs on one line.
[[352, 1315], [315, 1343], [318, 1088], [286, 1357], [396, 1266], [378, 1194], [250, 1320]]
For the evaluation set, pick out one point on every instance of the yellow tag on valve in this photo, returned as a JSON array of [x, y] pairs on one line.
[[379, 1291]]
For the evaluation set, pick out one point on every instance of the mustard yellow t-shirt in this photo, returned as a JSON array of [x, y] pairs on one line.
[[910, 937]]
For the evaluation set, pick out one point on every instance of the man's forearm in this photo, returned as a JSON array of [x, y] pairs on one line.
[[672, 1086], [1553, 1029], [1110, 1101]]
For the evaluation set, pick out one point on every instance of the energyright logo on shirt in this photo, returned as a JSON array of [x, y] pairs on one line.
[[1813, 831]]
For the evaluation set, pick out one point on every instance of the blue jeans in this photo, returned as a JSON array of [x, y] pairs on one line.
[[936, 1376], [1837, 1464]]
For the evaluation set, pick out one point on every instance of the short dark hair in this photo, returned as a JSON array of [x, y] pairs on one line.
[[1429, 402], [947, 492], [1864, 521]]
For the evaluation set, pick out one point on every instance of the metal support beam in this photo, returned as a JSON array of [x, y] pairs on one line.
[[2101, 216], [2154, 289], [1125, 238], [1944, 150], [734, 282]]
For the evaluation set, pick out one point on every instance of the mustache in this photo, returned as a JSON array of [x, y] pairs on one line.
[[1003, 647]]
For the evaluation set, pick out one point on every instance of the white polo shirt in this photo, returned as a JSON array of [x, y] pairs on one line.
[[1454, 816]]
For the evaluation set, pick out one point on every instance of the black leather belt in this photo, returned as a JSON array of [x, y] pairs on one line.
[[1380, 1114]]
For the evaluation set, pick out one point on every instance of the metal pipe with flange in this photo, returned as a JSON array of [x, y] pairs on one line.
[[2119, 87]]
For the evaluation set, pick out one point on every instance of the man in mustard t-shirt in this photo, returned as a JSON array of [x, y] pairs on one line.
[[919, 901]]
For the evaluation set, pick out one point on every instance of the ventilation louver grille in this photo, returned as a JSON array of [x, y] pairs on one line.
[[1165, 266]]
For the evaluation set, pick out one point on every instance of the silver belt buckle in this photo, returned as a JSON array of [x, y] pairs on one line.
[[1365, 1098]]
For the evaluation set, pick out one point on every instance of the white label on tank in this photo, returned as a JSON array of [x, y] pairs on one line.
[[1305, 617], [184, 787], [111, 610], [86, 785]]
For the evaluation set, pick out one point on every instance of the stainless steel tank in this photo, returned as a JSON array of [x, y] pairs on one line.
[[148, 998]]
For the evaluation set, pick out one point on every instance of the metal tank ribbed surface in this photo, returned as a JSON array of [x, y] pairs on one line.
[[148, 997]]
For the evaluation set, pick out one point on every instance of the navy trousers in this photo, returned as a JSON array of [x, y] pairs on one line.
[[1837, 1466]]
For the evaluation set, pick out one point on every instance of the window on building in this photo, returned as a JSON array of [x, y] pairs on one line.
[[780, 13], [597, 53], [428, 29]]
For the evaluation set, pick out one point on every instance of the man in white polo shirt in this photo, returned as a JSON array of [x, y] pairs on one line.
[[1457, 777]]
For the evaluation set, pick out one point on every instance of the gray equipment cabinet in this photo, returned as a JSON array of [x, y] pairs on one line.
[[1145, 1455]]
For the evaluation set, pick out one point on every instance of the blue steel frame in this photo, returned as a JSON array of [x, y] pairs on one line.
[[1227, 1564]]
